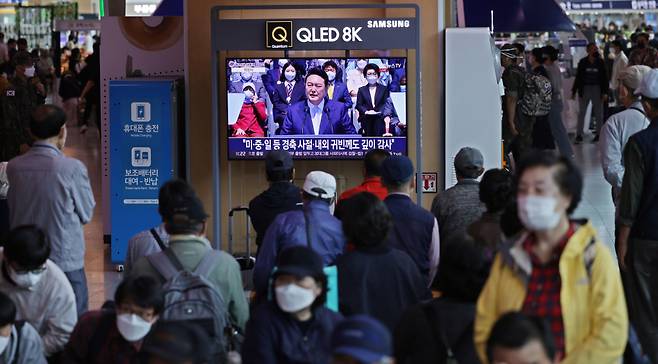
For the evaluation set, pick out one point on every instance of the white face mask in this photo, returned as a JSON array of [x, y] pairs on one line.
[[24, 280], [290, 75], [132, 327], [29, 72], [293, 298], [361, 64], [372, 80], [332, 75], [537, 213], [4, 342], [248, 94]]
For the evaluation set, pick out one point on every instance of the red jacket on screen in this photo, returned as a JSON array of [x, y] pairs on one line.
[[370, 184], [252, 119]]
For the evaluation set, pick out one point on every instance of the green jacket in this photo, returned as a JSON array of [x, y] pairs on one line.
[[190, 250]]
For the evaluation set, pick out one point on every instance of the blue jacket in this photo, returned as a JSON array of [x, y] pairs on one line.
[[280, 102], [335, 120], [289, 229], [341, 94], [273, 337]]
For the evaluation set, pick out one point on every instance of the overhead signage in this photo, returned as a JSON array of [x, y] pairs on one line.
[[609, 5], [77, 25], [319, 34]]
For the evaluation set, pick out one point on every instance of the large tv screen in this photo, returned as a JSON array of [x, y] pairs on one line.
[[315, 108]]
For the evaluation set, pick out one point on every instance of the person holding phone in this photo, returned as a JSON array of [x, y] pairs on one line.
[[252, 120]]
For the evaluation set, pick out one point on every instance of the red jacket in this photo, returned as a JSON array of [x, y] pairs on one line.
[[252, 119], [370, 184]]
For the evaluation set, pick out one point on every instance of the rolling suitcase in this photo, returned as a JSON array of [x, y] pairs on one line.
[[245, 259]]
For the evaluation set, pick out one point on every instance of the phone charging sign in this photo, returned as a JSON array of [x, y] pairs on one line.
[[140, 112]]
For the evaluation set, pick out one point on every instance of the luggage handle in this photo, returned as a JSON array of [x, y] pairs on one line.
[[231, 214]]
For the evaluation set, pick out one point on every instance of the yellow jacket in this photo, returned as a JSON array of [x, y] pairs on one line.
[[592, 298]]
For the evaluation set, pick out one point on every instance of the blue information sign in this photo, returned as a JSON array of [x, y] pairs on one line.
[[142, 144]]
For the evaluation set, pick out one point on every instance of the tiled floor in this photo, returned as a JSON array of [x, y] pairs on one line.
[[596, 205]]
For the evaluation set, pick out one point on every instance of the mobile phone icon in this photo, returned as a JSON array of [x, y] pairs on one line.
[[140, 112]]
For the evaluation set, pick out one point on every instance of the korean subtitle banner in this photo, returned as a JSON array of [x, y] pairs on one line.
[[304, 147]]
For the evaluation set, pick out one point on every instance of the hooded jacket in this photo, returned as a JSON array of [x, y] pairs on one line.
[[264, 208], [592, 297], [28, 351]]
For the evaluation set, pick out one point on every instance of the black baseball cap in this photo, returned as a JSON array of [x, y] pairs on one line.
[[186, 206], [278, 160], [299, 261], [397, 169]]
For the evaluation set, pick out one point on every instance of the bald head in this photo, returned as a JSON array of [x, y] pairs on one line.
[[47, 122]]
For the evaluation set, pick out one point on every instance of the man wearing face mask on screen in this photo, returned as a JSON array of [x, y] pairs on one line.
[[247, 77], [643, 54], [40, 290], [16, 105], [337, 90], [317, 115]]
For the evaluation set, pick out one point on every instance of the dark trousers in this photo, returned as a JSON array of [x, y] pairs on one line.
[[642, 293], [78, 281], [4, 220]]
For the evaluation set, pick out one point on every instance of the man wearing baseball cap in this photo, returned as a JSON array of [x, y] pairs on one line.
[[620, 127], [459, 206], [185, 222], [314, 226], [637, 239], [281, 196], [415, 230], [361, 339]]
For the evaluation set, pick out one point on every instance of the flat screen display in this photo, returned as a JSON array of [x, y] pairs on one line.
[[337, 108]]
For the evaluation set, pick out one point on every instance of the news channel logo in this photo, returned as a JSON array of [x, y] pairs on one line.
[[278, 34]]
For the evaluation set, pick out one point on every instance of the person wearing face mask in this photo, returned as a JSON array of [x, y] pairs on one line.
[[356, 78], [591, 85], [20, 343], [643, 54], [247, 78], [336, 90], [314, 226], [556, 269], [371, 104], [317, 115], [17, 102], [115, 336], [40, 290], [252, 120], [53, 191], [293, 326], [273, 75], [620, 62], [289, 90]]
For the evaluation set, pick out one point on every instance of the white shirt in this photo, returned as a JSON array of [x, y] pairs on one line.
[[614, 136], [373, 92], [621, 61], [316, 115]]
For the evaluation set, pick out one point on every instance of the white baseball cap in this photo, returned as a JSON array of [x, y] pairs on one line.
[[649, 86], [320, 184]]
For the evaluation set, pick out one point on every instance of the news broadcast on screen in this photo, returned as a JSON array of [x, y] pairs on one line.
[[338, 108]]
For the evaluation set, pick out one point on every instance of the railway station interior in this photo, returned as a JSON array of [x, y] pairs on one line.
[[345, 182]]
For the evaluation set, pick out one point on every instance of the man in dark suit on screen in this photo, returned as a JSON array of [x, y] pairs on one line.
[[317, 115]]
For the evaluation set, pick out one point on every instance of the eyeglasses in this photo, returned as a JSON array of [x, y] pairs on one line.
[[33, 271]]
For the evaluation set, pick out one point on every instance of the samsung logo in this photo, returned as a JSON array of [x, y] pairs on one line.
[[388, 24]]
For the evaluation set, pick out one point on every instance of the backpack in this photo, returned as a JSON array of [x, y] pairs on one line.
[[190, 296], [537, 95]]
